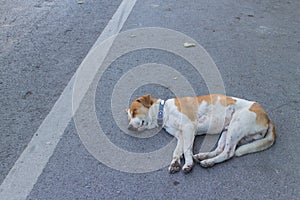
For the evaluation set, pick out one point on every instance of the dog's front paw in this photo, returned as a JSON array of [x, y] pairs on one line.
[[207, 163], [187, 168], [174, 167]]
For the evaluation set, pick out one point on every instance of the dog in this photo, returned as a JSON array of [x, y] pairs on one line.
[[244, 126]]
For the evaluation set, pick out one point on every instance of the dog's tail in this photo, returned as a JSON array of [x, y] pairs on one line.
[[259, 145]]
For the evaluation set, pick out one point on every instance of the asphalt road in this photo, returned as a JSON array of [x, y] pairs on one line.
[[255, 45]]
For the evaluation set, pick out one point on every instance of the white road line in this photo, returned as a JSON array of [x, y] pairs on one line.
[[29, 166]]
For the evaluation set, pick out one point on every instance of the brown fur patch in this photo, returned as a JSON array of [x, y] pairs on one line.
[[213, 98], [189, 105], [145, 100], [141, 105], [136, 108], [262, 118]]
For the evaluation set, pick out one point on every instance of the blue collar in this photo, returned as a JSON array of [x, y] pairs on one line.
[[160, 116]]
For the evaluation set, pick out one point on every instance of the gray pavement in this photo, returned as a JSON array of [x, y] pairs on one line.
[[255, 46]]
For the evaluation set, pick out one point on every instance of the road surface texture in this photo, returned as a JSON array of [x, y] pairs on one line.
[[255, 45]]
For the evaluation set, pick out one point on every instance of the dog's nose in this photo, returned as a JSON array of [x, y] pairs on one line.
[[131, 127]]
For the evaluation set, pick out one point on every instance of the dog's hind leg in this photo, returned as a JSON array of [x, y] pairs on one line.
[[240, 126], [221, 144], [227, 153]]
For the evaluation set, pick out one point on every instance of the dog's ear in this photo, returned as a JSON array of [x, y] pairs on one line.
[[145, 100]]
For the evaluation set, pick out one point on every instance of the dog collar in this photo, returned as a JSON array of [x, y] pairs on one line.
[[160, 116]]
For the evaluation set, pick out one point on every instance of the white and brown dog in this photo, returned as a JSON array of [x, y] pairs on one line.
[[244, 125]]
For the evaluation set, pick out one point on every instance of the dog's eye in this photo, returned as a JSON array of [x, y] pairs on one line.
[[143, 122]]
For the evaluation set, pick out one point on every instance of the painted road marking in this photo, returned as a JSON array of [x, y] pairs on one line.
[[29, 166]]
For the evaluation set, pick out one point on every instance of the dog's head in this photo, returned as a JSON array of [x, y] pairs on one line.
[[138, 113]]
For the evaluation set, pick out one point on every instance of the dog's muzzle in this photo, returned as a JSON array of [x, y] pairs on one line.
[[132, 128]]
